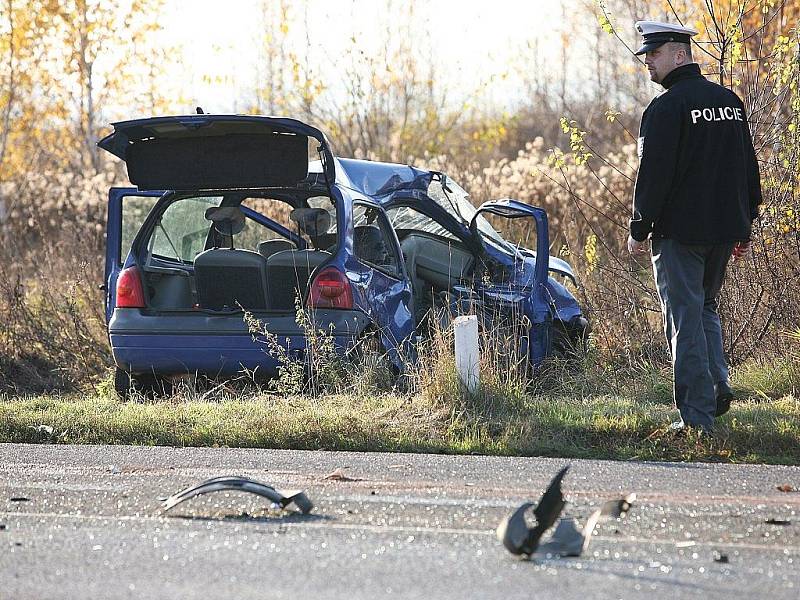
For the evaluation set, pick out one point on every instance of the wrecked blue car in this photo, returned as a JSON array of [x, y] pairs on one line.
[[236, 213]]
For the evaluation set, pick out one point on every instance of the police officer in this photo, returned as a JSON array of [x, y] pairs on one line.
[[696, 195]]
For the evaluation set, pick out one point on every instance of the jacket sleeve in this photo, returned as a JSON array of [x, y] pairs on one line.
[[753, 176], [659, 142]]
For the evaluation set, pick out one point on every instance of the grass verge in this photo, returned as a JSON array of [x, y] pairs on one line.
[[757, 430]]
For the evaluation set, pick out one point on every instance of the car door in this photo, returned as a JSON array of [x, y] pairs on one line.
[[381, 277], [523, 291], [127, 209]]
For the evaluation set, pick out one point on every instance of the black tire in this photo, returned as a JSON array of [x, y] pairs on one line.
[[369, 355], [147, 385], [569, 342]]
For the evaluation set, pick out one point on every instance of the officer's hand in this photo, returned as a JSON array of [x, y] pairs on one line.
[[741, 249], [636, 247]]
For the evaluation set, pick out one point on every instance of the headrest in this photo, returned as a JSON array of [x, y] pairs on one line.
[[269, 247], [311, 221], [228, 220], [369, 243]]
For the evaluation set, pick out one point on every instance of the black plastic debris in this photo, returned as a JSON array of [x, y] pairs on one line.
[[568, 540], [514, 532], [19, 499], [242, 484], [777, 522], [721, 558]]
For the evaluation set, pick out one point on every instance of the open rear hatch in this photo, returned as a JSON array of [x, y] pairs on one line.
[[203, 152]]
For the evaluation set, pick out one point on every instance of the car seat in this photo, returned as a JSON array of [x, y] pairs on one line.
[[227, 278], [269, 247], [314, 222]]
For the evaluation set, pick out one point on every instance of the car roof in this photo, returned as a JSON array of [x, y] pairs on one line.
[[375, 179]]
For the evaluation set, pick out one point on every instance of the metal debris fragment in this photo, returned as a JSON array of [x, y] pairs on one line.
[[242, 484], [568, 540], [514, 532]]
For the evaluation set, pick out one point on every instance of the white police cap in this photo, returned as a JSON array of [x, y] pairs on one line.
[[656, 33]]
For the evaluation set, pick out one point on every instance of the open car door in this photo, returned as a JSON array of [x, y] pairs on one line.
[[522, 295], [127, 209]]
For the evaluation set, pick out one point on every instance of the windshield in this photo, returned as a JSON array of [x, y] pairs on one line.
[[455, 200]]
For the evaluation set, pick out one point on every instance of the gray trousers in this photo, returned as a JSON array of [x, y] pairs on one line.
[[688, 279]]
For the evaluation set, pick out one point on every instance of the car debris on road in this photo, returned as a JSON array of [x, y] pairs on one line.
[[514, 532], [241, 484], [338, 474], [567, 540]]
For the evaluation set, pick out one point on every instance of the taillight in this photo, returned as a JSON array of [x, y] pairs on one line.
[[130, 293], [330, 289]]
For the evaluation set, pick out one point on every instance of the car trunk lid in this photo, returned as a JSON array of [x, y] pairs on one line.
[[203, 152]]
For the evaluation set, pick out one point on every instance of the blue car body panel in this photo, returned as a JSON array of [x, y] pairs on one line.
[[189, 343], [146, 341]]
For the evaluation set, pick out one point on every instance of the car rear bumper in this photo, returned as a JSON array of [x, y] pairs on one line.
[[187, 343]]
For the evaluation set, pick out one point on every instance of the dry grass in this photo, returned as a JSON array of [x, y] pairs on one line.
[[585, 407], [603, 426]]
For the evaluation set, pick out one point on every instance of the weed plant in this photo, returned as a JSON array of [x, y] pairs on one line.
[[321, 367]]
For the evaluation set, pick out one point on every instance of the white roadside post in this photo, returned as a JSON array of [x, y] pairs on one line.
[[465, 329]]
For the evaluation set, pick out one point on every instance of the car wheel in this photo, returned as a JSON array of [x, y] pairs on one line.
[[147, 385], [372, 361], [569, 343]]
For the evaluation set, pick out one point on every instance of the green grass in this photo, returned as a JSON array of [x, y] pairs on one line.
[[596, 409], [602, 426]]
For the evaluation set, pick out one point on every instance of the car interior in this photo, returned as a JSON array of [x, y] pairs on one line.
[[225, 263], [435, 259], [435, 265], [207, 253]]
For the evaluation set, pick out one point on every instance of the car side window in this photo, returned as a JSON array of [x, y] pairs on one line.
[[134, 211], [373, 240], [405, 217], [181, 232]]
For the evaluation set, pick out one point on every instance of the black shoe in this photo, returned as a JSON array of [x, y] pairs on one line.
[[724, 395]]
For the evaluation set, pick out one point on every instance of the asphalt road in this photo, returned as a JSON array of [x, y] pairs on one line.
[[85, 522]]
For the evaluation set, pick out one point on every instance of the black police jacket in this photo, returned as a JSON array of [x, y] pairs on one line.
[[698, 179]]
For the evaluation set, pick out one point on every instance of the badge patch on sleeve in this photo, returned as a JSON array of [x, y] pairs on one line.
[[640, 147]]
